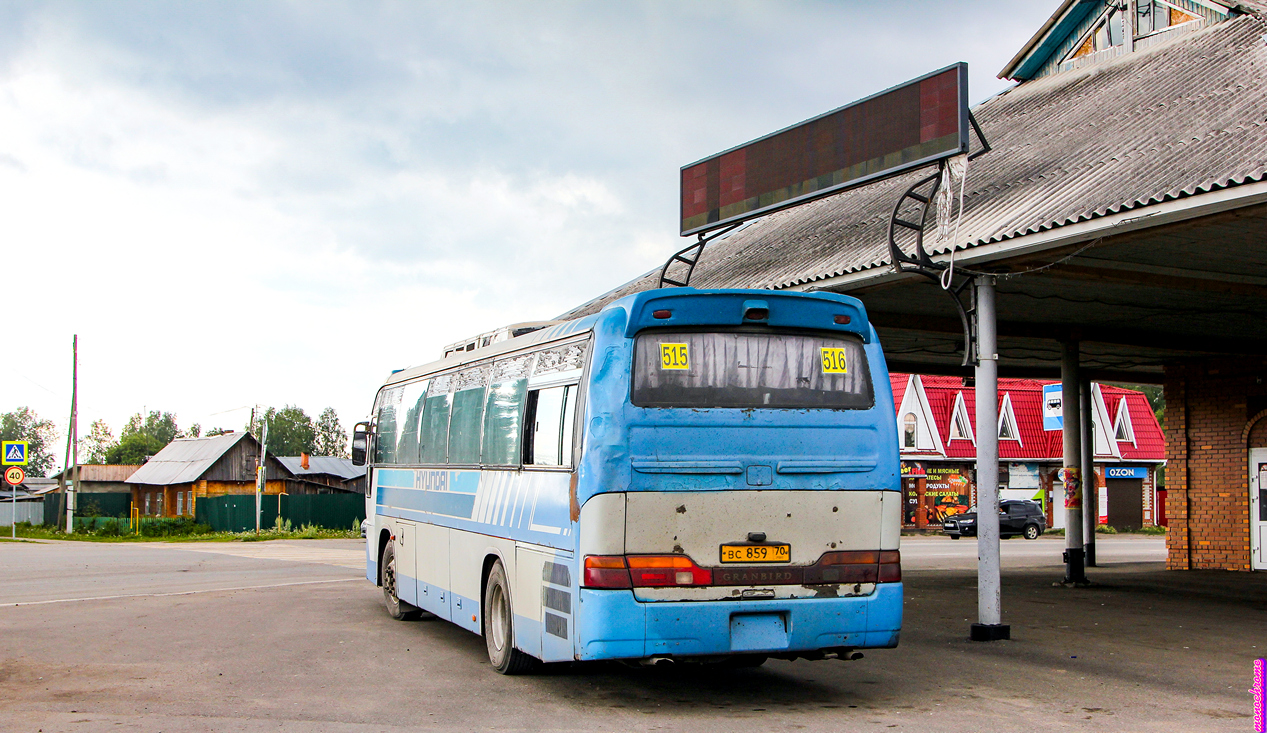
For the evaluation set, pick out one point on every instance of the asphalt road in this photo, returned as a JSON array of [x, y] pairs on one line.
[[285, 636]]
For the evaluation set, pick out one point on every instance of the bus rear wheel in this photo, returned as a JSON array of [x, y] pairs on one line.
[[396, 608], [499, 626]]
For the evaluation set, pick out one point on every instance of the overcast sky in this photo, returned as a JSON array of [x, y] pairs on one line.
[[239, 203]]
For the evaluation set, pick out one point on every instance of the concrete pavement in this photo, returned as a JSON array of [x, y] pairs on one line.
[[1143, 650]]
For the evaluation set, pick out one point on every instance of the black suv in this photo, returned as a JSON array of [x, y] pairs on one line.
[[1015, 517]]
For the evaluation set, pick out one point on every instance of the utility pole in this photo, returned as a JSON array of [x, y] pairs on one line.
[[73, 438], [260, 476], [989, 626]]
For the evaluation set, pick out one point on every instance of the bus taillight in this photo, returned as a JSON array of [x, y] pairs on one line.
[[606, 571], [652, 571], [890, 566], [856, 566]]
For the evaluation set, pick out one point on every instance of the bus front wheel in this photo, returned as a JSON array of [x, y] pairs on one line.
[[499, 626], [396, 608]]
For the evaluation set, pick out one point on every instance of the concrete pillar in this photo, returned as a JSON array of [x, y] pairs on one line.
[[1071, 474], [1091, 499], [989, 603]]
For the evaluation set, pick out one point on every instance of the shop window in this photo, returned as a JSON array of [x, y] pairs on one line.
[[908, 430]]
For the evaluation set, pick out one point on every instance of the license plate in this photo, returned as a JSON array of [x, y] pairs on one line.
[[756, 553]]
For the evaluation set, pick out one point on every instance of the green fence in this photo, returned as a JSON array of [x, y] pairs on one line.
[[114, 504], [111, 504], [236, 512]]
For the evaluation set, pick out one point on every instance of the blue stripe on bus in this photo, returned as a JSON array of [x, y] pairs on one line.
[[447, 503], [401, 479]]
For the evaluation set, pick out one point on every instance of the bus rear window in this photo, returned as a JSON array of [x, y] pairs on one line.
[[749, 369]]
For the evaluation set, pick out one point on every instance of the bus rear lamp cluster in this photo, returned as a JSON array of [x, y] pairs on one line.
[[662, 314], [843, 319], [644, 571], [677, 571], [856, 566]]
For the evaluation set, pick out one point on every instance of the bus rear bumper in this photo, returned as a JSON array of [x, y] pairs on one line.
[[616, 626]]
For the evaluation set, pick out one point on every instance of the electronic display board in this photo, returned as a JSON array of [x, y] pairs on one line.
[[910, 125]]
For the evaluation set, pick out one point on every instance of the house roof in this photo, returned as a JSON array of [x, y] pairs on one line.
[[184, 460], [99, 472], [1026, 396], [1178, 119], [341, 468]]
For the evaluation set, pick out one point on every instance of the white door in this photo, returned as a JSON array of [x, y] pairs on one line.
[[1258, 508]]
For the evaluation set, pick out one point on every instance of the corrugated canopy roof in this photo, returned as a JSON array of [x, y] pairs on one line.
[[184, 460], [322, 465], [1175, 120]]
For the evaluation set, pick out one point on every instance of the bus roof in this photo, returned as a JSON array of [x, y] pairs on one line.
[[562, 330], [686, 307]]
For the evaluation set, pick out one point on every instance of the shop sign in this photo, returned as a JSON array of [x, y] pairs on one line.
[[1126, 471], [947, 492]]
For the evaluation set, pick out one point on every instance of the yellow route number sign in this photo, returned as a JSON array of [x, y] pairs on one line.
[[834, 361], [675, 356]]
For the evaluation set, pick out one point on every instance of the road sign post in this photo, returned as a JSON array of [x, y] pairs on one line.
[[14, 475]]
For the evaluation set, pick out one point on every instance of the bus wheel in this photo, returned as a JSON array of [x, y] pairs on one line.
[[499, 626], [396, 608]]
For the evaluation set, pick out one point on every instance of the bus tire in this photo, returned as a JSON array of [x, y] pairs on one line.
[[396, 608], [499, 626]]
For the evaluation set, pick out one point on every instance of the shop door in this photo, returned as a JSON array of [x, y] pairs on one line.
[[1258, 508], [1126, 502]]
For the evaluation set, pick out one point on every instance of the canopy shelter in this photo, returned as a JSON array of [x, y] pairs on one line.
[[1121, 214]]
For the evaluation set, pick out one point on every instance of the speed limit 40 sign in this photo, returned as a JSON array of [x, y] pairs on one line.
[[14, 475]]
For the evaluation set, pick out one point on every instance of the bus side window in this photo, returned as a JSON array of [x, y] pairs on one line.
[[548, 427]]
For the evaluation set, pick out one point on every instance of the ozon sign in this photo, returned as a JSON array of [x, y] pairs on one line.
[[1126, 472]]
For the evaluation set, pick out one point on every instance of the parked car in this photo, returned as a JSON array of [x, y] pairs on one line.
[[1016, 517]]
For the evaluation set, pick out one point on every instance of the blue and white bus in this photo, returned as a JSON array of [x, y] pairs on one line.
[[687, 475]]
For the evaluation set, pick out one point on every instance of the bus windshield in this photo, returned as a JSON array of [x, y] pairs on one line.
[[750, 369]]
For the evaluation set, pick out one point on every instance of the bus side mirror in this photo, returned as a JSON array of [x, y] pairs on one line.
[[360, 443]]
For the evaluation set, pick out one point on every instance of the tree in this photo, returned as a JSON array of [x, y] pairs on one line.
[[133, 450], [100, 439], [213, 432], [158, 425], [290, 431], [41, 435], [332, 440]]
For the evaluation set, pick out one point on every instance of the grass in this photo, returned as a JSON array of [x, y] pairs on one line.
[[178, 530]]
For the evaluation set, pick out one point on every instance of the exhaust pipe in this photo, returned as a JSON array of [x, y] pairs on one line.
[[656, 662]]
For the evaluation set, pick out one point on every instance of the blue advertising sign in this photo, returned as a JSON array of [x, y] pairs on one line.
[[1126, 471], [1053, 417]]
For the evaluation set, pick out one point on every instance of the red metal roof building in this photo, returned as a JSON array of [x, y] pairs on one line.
[[937, 430]]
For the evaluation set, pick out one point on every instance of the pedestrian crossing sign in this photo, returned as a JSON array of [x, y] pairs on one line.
[[14, 452]]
